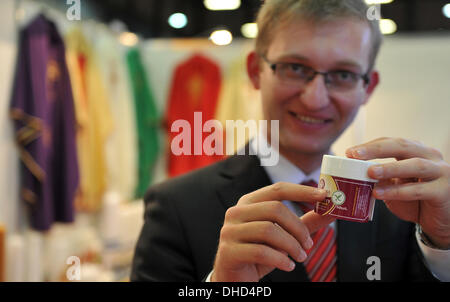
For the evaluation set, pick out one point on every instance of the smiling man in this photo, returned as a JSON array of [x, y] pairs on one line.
[[313, 108], [239, 221]]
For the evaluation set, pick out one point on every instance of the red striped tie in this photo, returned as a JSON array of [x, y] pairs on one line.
[[321, 262]]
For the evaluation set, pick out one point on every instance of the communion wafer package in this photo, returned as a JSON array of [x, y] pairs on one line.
[[349, 189]]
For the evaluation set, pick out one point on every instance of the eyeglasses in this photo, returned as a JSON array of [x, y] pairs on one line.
[[299, 75]]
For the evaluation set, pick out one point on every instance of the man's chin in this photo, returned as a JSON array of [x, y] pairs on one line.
[[309, 146]]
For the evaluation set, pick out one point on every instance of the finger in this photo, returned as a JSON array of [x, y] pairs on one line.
[[263, 255], [408, 191], [284, 191], [405, 210], [408, 168], [392, 147], [387, 182], [275, 212], [314, 221], [265, 232]]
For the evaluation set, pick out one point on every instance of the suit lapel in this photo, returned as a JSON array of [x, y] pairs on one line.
[[245, 175], [355, 245]]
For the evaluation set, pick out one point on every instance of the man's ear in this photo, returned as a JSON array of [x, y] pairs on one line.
[[253, 69], [373, 83]]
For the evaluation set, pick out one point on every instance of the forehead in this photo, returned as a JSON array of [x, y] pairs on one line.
[[323, 44]]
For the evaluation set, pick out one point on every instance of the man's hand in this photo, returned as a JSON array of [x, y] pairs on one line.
[[260, 233], [415, 188]]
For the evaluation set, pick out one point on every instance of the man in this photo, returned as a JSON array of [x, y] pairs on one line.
[[238, 221]]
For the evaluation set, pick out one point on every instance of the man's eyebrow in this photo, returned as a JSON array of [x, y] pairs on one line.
[[342, 63], [349, 63], [294, 57]]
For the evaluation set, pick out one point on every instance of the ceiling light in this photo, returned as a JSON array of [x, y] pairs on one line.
[[249, 30], [387, 26], [446, 10], [221, 37], [178, 20], [222, 4], [370, 2]]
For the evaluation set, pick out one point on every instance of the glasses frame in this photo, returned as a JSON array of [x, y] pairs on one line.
[[273, 65]]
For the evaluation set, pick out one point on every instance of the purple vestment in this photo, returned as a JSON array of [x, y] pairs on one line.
[[42, 109]]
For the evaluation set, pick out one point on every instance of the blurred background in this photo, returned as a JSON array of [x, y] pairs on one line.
[[89, 89]]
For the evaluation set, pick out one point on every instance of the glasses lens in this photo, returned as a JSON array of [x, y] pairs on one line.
[[342, 80], [293, 73]]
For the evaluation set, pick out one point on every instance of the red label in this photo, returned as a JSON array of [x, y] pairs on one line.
[[347, 199]]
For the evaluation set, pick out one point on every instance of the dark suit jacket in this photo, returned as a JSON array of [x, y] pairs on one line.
[[184, 215]]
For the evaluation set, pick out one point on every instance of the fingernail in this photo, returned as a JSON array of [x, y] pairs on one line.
[[349, 152], [291, 265], [360, 152], [309, 243], [377, 171], [302, 256]]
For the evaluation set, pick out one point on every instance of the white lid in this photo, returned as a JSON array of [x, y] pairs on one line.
[[346, 167]]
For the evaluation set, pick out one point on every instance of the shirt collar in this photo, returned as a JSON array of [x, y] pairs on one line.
[[285, 170]]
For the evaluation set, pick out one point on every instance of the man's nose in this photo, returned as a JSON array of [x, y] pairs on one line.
[[315, 93]]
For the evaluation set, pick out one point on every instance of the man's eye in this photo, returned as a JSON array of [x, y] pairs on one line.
[[295, 69], [343, 75]]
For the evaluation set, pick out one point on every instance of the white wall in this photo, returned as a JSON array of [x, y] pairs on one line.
[[413, 98]]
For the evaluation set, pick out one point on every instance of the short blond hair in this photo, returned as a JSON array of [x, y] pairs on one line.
[[274, 13]]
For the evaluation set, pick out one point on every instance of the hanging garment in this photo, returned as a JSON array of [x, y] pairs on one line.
[[93, 118], [121, 147], [238, 100], [43, 113], [195, 88], [147, 121]]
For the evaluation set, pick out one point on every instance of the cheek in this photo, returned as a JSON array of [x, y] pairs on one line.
[[273, 100], [277, 97], [348, 108]]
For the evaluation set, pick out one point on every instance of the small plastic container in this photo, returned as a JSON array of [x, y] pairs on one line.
[[349, 189]]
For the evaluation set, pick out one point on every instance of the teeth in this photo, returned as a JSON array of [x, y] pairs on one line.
[[310, 120]]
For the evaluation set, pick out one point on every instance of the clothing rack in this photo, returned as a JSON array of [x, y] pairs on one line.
[[27, 10]]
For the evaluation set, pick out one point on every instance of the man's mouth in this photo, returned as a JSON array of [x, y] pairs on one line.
[[309, 119]]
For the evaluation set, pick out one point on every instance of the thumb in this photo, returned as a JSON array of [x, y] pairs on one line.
[[314, 221]]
